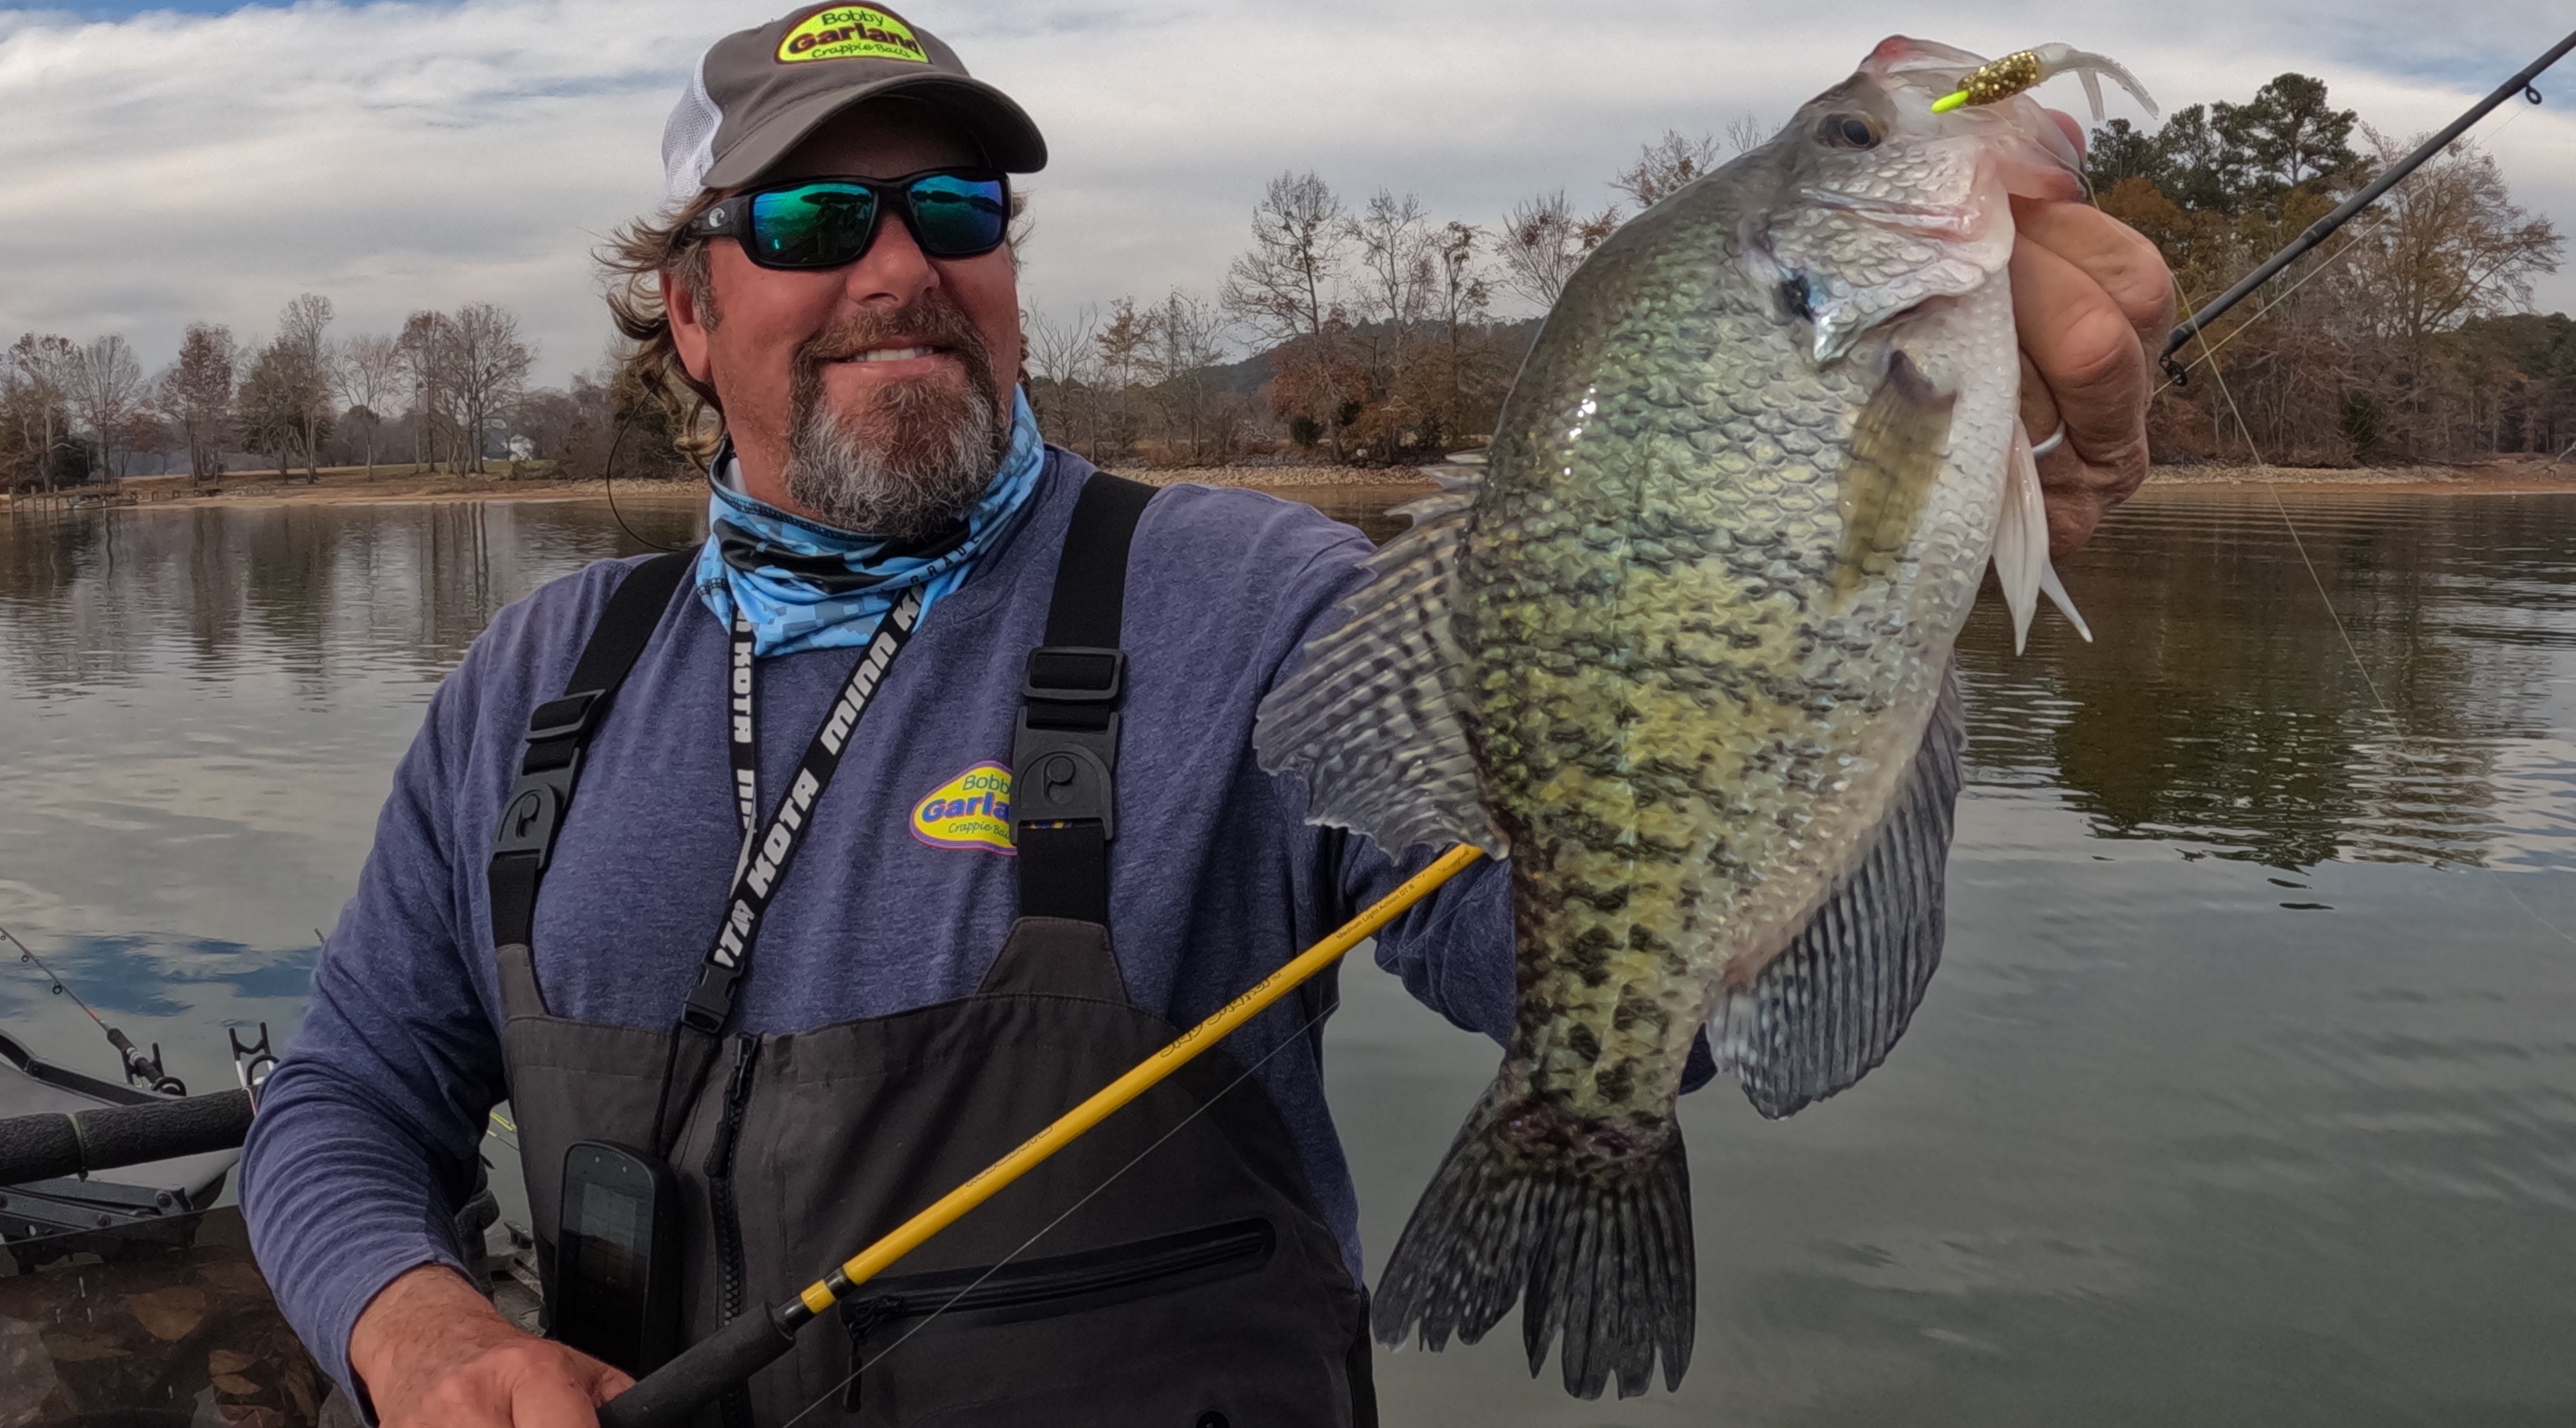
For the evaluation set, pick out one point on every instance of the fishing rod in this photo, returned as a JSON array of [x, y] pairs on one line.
[[667, 1396], [140, 1069], [2324, 227]]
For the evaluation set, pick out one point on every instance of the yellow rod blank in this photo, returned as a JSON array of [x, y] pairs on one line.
[[874, 1260]]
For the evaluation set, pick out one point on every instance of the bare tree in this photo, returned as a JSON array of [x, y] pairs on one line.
[[1397, 274], [1124, 342], [2450, 245], [1461, 300], [304, 358], [1284, 290], [1062, 365], [368, 375], [1746, 131], [1187, 338], [196, 394], [107, 390], [43, 372], [427, 367], [1666, 165], [1543, 241], [273, 403], [489, 366]]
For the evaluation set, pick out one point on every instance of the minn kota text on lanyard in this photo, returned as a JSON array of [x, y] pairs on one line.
[[764, 859]]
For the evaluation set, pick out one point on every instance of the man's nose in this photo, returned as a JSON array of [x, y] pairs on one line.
[[893, 269]]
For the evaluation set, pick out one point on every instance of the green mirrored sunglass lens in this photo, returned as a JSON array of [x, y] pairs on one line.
[[959, 215], [813, 223]]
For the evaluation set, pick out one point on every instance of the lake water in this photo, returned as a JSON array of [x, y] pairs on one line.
[[2246, 1094]]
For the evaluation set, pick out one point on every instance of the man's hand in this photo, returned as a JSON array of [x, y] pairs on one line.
[[2092, 299], [435, 1354]]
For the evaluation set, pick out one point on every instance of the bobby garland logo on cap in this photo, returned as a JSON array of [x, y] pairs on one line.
[[851, 32]]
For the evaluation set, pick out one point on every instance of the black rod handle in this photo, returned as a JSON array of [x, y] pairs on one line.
[[51, 1145], [667, 1396]]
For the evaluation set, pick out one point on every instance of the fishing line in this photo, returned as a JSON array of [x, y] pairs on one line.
[[2387, 712], [608, 478], [2274, 491], [2209, 350], [2379, 219], [1049, 1227]]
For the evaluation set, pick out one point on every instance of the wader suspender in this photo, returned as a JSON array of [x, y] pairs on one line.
[[559, 730], [1064, 807], [1063, 758]]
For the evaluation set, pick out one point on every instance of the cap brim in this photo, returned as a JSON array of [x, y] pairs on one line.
[[998, 126]]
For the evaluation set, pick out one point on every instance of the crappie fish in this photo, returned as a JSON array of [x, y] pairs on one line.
[[1683, 651]]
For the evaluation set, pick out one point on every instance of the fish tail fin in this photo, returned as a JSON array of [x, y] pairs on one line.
[[1599, 1250]]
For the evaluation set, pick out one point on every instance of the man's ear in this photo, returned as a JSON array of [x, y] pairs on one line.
[[688, 327]]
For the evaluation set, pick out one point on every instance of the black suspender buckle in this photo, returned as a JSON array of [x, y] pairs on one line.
[[565, 718], [1068, 738], [534, 811], [1074, 674]]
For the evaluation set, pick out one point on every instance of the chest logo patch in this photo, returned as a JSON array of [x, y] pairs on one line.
[[972, 810], [851, 32]]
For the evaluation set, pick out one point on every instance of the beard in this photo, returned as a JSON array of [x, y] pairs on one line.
[[908, 458]]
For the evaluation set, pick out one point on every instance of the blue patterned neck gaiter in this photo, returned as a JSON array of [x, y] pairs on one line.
[[807, 586]]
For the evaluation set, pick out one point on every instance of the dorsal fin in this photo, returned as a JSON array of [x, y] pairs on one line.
[[1374, 721]]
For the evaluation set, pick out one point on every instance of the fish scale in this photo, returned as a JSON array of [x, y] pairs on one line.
[[1683, 651]]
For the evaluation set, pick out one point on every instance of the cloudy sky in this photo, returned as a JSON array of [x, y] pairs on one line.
[[210, 161]]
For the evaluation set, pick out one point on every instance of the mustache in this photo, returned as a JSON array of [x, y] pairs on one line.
[[933, 319]]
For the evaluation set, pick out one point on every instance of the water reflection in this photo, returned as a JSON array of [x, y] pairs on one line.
[[2230, 1036], [2232, 705], [91, 600]]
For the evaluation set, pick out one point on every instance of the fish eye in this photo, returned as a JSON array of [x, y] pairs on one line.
[[1849, 131]]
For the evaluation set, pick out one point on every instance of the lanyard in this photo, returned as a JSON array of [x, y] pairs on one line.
[[764, 860]]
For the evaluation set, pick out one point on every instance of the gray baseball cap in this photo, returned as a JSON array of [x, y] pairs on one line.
[[759, 92]]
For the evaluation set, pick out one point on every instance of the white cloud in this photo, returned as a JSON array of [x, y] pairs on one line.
[[167, 167]]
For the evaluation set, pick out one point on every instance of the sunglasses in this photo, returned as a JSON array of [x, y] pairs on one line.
[[827, 222]]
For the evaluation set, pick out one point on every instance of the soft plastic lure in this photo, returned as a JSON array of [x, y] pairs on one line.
[[1998, 80]]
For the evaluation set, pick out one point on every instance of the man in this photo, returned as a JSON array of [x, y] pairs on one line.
[[796, 748]]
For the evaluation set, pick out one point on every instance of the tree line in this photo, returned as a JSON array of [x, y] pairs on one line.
[[1368, 332], [2405, 337], [1363, 332], [439, 392], [1371, 331]]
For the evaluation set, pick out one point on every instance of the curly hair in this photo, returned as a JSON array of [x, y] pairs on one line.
[[636, 256]]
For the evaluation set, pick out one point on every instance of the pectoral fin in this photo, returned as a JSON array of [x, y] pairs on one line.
[[1897, 446]]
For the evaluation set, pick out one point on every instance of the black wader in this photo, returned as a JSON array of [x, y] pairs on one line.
[[1186, 1282]]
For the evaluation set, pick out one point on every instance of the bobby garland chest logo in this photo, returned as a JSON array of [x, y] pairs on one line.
[[972, 810]]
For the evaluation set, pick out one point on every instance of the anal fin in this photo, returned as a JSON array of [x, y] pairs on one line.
[[1828, 1009]]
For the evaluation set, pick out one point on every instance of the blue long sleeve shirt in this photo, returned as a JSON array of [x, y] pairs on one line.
[[366, 1136]]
